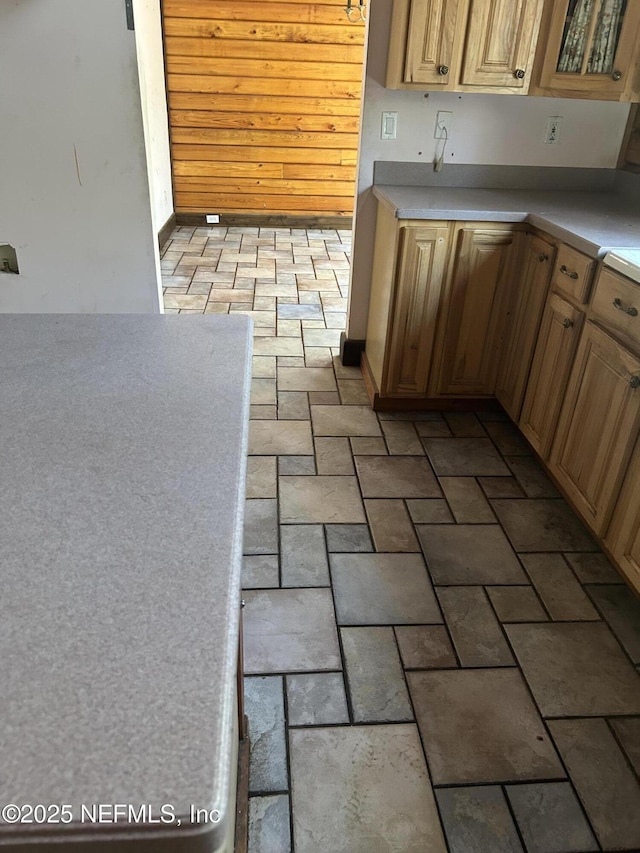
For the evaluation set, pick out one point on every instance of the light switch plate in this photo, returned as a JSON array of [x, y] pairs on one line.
[[389, 129]]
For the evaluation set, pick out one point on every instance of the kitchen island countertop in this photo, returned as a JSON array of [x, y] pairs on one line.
[[122, 452]]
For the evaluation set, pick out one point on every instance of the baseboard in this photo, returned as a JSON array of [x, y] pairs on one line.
[[350, 350], [166, 231], [259, 220]]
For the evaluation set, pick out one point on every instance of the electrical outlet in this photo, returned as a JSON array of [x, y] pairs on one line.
[[389, 129], [8, 259], [443, 125], [552, 132], [213, 218]]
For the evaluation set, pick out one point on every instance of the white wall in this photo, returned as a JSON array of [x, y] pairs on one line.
[[74, 198], [486, 129], [154, 107]]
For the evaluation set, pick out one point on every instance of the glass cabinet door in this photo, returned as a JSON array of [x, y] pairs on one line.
[[591, 45]]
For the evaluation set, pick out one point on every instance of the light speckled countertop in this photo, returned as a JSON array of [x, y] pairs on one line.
[[122, 452], [593, 223]]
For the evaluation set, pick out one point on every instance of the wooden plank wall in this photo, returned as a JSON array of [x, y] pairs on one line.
[[264, 104]]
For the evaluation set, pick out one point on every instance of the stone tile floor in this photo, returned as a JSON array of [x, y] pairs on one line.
[[438, 657]]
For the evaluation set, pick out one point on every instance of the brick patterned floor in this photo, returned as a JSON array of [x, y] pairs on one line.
[[438, 656]]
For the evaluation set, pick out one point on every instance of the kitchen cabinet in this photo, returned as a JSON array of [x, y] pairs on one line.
[[408, 274], [589, 49], [473, 319], [623, 537], [552, 361], [573, 274], [598, 425], [419, 282], [523, 322], [463, 45]]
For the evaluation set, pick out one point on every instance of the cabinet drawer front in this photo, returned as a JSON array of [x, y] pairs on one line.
[[598, 425], [616, 302], [572, 274]]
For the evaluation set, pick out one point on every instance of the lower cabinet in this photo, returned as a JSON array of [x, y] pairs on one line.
[[480, 310], [528, 299], [440, 295], [552, 361], [623, 538], [598, 426], [420, 272], [474, 311]]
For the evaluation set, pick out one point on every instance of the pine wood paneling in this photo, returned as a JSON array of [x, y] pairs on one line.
[[264, 102]]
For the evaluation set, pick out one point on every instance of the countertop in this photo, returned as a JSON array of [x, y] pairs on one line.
[[122, 452], [625, 261], [592, 222]]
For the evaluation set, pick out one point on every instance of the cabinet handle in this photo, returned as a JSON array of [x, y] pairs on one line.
[[631, 311], [617, 75], [567, 323], [542, 257], [565, 271], [634, 382], [519, 73], [443, 69]]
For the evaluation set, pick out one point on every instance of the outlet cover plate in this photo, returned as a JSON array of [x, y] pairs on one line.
[[442, 130]]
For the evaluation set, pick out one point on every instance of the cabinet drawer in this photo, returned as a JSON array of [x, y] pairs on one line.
[[616, 302], [572, 273]]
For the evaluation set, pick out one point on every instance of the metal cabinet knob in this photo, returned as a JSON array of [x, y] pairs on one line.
[[617, 75], [542, 257], [631, 311], [443, 69], [519, 73], [565, 271], [634, 382], [567, 323]]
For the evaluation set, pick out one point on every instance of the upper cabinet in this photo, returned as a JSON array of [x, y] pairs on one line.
[[589, 49], [463, 45]]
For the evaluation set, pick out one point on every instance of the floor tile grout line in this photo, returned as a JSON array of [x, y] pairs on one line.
[[287, 746], [427, 763], [621, 747], [547, 729], [509, 805]]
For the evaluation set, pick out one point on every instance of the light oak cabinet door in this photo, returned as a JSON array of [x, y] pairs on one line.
[[623, 537], [463, 45], [590, 50], [472, 328], [419, 278], [523, 323], [552, 360], [430, 41], [598, 426], [499, 46]]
